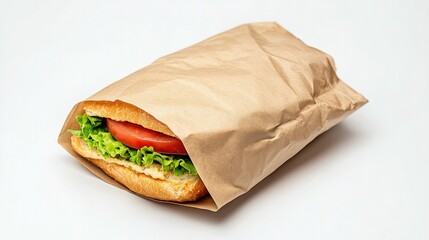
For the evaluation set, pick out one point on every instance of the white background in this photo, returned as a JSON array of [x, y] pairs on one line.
[[366, 178]]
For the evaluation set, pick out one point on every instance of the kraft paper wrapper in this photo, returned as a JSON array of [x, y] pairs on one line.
[[243, 102]]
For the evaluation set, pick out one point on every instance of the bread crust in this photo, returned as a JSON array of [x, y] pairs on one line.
[[122, 111], [184, 189]]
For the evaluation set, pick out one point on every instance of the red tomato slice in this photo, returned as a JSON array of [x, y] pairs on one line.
[[136, 136]]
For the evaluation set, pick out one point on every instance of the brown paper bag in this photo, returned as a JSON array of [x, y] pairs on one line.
[[243, 102]]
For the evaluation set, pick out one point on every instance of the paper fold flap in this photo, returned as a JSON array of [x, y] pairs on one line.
[[243, 102]]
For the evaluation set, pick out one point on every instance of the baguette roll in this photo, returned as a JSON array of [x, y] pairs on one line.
[[150, 181]]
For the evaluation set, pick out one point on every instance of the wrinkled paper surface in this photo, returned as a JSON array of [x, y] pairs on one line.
[[243, 102]]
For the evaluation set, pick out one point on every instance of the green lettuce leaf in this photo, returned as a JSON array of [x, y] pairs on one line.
[[94, 131]]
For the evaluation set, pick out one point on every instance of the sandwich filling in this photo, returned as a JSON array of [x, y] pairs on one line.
[[95, 132]]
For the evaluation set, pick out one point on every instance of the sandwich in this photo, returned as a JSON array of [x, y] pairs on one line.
[[228, 111], [137, 150]]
